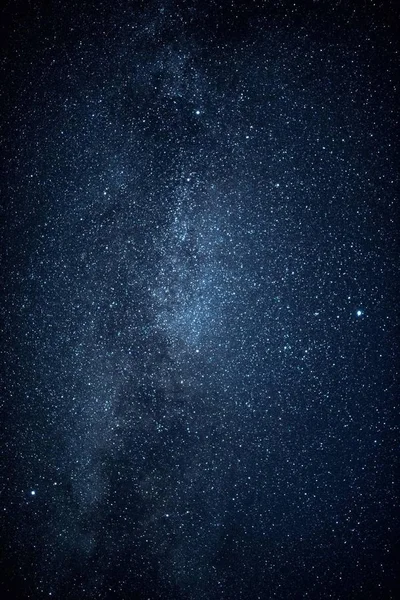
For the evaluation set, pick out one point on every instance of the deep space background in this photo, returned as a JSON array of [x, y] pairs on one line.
[[200, 275]]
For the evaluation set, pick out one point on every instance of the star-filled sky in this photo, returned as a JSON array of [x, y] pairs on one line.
[[199, 258]]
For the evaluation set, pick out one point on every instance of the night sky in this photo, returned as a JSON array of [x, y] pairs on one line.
[[200, 275]]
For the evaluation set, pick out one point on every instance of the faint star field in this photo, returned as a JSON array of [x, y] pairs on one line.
[[200, 318]]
